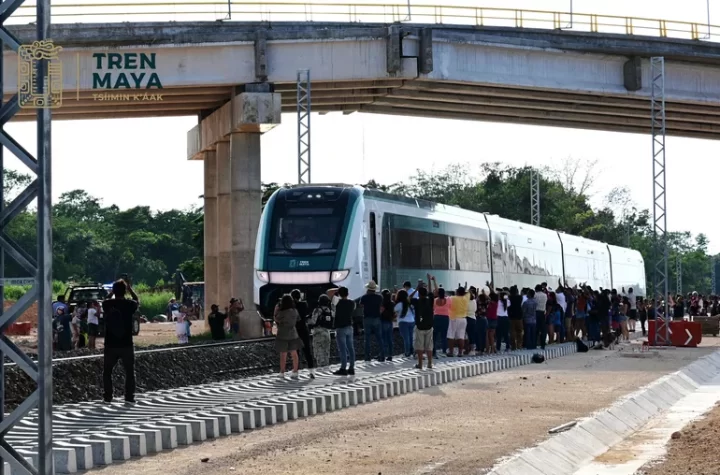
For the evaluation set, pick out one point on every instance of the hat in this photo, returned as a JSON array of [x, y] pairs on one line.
[[233, 300], [371, 285]]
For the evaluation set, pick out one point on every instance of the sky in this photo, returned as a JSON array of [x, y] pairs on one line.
[[130, 162]]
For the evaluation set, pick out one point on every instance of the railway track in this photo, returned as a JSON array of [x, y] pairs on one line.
[[162, 350]]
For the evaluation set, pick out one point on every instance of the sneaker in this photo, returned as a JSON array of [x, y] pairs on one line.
[[107, 400], [294, 375], [341, 372], [312, 375], [351, 372], [130, 400], [429, 366], [282, 375], [417, 366]]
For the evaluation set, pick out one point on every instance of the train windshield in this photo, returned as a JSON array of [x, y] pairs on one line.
[[306, 229]]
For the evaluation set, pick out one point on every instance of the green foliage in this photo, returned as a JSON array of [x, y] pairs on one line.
[[154, 303], [204, 336]]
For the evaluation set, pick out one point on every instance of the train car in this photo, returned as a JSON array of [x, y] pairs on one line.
[[318, 237]]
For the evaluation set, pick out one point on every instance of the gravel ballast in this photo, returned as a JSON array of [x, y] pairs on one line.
[[81, 379]]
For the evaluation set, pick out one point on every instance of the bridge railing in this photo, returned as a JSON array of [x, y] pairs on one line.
[[86, 11]]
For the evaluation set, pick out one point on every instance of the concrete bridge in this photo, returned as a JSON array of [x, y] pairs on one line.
[[239, 77]]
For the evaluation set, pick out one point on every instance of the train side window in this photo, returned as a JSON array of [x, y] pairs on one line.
[[373, 248]]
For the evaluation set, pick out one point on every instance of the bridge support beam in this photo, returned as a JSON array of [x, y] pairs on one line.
[[231, 137]]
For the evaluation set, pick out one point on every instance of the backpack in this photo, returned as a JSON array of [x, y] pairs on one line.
[[581, 347], [538, 358]]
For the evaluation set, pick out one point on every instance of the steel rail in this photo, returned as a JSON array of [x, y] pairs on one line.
[[357, 12], [162, 350]]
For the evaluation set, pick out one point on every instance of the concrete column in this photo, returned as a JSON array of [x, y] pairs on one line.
[[210, 233], [246, 199], [224, 225]]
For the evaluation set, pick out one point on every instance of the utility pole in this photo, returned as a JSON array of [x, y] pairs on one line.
[[303, 113], [660, 250], [534, 197]]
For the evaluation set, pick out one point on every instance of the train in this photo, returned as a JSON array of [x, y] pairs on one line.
[[318, 237]]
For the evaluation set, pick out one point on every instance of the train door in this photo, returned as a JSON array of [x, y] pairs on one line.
[[374, 256]]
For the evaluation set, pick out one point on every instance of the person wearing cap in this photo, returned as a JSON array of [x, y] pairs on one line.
[[371, 304], [216, 320], [233, 313]]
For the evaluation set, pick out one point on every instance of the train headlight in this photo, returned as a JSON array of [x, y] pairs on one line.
[[339, 276], [262, 275]]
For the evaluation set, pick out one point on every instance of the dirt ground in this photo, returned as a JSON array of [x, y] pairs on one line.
[[693, 452], [150, 334], [461, 428]]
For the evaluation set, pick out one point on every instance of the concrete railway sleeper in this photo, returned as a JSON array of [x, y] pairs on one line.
[[95, 434]]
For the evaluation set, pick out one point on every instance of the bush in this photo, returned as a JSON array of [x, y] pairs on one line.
[[14, 292], [154, 303], [205, 336]]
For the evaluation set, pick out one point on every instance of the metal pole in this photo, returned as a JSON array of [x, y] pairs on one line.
[[37, 95], [303, 112], [708, 19], [534, 197], [678, 271], [660, 250]]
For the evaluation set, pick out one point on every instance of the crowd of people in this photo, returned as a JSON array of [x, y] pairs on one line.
[[433, 321]]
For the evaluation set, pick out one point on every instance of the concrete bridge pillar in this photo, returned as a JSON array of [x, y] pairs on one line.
[[231, 137], [223, 230], [210, 232], [246, 196]]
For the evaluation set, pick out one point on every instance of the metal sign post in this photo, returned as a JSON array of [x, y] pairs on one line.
[[534, 197], [303, 112]]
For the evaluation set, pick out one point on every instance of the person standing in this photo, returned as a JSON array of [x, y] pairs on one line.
[[503, 328], [118, 313], [515, 314], [540, 320], [406, 321], [93, 323], [344, 309], [287, 339], [441, 323], [303, 331], [529, 315], [423, 326], [471, 326], [371, 303], [321, 322], [458, 323], [387, 319], [216, 320], [233, 311]]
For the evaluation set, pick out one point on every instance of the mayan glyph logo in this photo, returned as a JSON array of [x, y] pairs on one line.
[[39, 89]]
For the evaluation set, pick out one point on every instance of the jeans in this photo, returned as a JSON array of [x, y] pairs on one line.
[[482, 328], [471, 332], [127, 356], [346, 347], [406, 332], [440, 329], [372, 327], [503, 333], [541, 326], [386, 336], [530, 340], [307, 350]]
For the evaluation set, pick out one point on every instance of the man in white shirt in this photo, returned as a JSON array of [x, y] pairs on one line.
[[541, 298]]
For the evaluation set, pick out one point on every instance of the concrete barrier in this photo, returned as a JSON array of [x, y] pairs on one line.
[[565, 453]]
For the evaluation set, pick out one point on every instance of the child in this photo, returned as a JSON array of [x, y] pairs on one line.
[[180, 326], [75, 324], [321, 322]]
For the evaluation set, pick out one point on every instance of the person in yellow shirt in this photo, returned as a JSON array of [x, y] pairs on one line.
[[458, 324]]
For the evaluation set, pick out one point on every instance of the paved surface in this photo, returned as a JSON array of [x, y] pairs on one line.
[[95, 434]]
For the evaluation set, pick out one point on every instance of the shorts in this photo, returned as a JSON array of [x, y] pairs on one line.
[[283, 346], [234, 328], [555, 319], [423, 340], [93, 329], [580, 314], [622, 318], [492, 323], [456, 330], [632, 314]]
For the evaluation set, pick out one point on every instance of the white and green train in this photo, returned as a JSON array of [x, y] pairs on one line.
[[317, 237]]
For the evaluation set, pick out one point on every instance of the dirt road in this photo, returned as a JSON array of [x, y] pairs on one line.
[[455, 429]]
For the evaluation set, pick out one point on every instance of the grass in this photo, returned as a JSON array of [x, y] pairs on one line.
[[151, 303]]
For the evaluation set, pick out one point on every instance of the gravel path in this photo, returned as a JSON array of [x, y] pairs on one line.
[[453, 429]]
